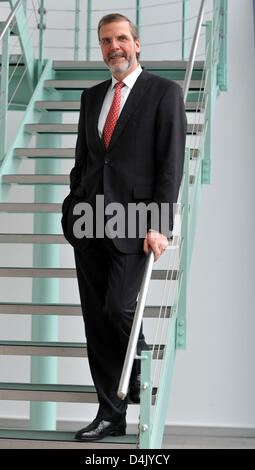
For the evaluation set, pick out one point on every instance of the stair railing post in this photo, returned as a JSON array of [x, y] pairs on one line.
[[185, 41], [42, 27], [145, 400], [222, 76], [77, 29], [88, 41], [184, 257], [4, 94], [138, 15], [208, 91], [45, 327]]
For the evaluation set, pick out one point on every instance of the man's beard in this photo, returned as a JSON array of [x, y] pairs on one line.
[[123, 67]]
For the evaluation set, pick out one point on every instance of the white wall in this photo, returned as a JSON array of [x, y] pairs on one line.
[[213, 382]]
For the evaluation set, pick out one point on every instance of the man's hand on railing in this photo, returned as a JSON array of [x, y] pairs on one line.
[[157, 242]]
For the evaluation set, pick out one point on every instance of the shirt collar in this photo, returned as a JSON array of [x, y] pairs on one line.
[[130, 79]]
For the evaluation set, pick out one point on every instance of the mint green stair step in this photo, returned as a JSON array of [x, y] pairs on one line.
[[68, 94], [51, 128], [71, 84], [17, 308], [9, 308], [44, 179], [58, 105], [61, 153], [74, 106], [44, 152], [32, 238], [43, 348], [30, 439], [30, 207], [36, 179], [97, 65], [56, 349], [51, 392], [156, 64], [51, 239], [82, 84], [72, 128], [157, 274]]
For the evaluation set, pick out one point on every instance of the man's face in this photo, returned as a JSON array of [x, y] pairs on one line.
[[119, 48]]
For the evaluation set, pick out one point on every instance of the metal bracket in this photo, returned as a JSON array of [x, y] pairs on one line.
[[206, 171], [145, 400]]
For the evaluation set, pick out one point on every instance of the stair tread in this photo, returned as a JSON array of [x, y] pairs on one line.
[[30, 207], [23, 391], [72, 128], [6, 271], [75, 105], [53, 238], [32, 238], [67, 64], [62, 309], [60, 344], [66, 436], [56, 349], [83, 84], [61, 152], [36, 178], [55, 152], [55, 344], [62, 179], [47, 387], [51, 387]]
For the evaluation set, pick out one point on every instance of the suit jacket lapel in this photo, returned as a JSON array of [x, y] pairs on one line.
[[96, 107], [132, 102]]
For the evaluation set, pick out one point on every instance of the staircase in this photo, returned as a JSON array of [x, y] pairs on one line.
[[56, 93]]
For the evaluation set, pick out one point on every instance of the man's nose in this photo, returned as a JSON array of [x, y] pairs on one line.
[[115, 44]]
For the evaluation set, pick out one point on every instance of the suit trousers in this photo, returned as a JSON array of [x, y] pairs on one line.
[[109, 282]]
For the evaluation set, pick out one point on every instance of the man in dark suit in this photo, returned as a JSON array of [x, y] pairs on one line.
[[130, 149]]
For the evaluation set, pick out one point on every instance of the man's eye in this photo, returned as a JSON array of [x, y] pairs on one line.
[[122, 38], [105, 41]]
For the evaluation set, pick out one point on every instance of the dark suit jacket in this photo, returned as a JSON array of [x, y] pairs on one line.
[[144, 160]]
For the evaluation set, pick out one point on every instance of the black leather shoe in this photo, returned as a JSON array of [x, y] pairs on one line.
[[99, 429], [134, 389]]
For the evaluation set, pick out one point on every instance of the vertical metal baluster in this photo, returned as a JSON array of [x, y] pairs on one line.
[[88, 42], [4, 93], [76, 29], [41, 27], [185, 42]]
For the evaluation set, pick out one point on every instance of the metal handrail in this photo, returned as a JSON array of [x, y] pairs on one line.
[[130, 353], [10, 18]]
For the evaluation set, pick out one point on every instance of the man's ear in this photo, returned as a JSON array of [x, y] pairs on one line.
[[137, 45]]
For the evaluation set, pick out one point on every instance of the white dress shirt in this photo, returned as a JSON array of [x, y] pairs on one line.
[[129, 82]]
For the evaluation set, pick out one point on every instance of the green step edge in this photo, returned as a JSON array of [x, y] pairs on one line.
[[43, 344], [65, 436], [52, 344], [51, 387], [47, 387]]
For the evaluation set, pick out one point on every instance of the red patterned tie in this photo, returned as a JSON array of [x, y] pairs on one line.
[[112, 116]]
